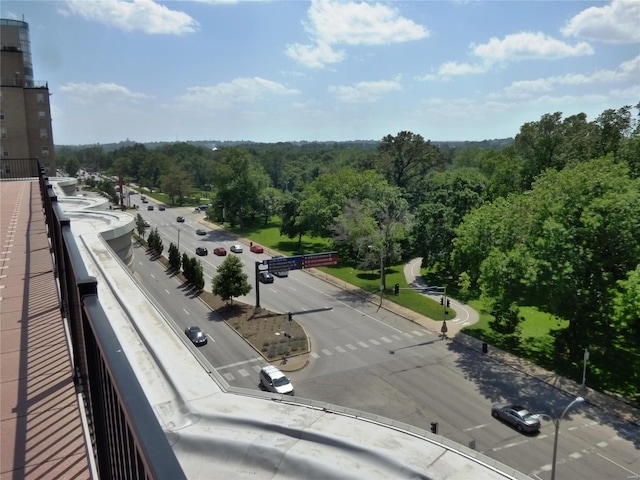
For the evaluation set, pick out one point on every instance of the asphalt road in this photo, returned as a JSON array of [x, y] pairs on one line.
[[375, 361]]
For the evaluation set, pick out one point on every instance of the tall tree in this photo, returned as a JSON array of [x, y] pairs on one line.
[[230, 281]]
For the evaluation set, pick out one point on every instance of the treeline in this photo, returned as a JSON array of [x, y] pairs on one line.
[[550, 220]]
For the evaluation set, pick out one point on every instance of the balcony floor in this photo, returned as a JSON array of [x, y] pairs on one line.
[[41, 432]]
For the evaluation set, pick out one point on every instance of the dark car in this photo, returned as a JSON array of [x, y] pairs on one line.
[[200, 231], [180, 219], [517, 416], [161, 208], [265, 277], [220, 251], [150, 207], [201, 251], [281, 273], [196, 335]]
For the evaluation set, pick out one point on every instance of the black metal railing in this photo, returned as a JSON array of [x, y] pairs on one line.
[[19, 168], [128, 442]]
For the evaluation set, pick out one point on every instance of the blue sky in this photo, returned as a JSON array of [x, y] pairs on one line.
[[269, 71]]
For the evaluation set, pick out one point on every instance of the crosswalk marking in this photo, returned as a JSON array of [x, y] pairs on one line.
[[348, 345], [340, 349], [228, 377], [314, 355], [327, 352], [417, 333], [363, 345], [385, 340], [374, 342], [243, 372], [396, 337]]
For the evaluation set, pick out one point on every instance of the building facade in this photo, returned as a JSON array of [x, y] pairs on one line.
[[25, 113]]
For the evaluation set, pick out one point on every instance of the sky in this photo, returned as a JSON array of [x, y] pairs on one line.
[[326, 70]]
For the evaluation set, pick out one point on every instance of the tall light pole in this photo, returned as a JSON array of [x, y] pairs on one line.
[[584, 369], [179, 230], [556, 423]]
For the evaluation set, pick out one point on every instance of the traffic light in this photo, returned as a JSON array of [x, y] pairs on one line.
[[448, 303], [434, 427], [441, 300], [396, 288]]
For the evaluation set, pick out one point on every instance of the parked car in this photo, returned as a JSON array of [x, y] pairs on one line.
[[200, 231], [265, 277], [517, 416], [146, 223], [150, 207], [161, 208], [236, 248], [196, 335], [280, 273], [257, 249], [180, 219], [201, 251], [273, 380], [220, 251]]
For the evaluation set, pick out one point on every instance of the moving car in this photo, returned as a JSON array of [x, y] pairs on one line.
[[161, 208], [201, 251], [146, 223], [150, 207], [220, 251], [517, 416], [236, 248], [265, 277], [273, 380], [200, 231], [257, 249], [280, 273], [196, 335], [180, 219]]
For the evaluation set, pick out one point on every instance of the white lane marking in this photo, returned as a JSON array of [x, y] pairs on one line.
[[633, 474], [167, 291], [314, 355], [374, 342], [348, 345], [185, 311], [408, 335], [244, 362], [340, 350], [363, 345], [509, 445], [328, 353], [396, 337], [229, 377], [474, 428], [575, 455], [151, 275], [243, 372], [602, 444], [417, 333], [385, 339]]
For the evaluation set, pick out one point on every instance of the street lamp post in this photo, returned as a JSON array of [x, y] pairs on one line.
[[584, 368], [179, 230], [556, 423]]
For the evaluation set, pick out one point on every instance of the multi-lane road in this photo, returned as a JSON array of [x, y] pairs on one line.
[[375, 361]]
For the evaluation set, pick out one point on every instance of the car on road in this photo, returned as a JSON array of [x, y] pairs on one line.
[[265, 277], [196, 335], [280, 273], [236, 248], [200, 231], [256, 249], [146, 223], [162, 208], [150, 207], [220, 251], [202, 251], [517, 416], [273, 380], [180, 219]]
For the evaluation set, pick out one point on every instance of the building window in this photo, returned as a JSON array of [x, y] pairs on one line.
[[41, 115], [45, 151], [5, 152], [3, 133], [43, 133], [1, 115], [40, 97]]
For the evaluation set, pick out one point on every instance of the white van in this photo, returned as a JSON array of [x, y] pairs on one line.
[[273, 380]]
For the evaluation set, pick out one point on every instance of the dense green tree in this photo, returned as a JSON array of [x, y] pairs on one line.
[[177, 184], [503, 171], [626, 307], [174, 256], [71, 166], [140, 226], [230, 281]]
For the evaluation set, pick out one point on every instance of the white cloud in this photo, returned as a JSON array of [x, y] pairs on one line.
[[240, 90], [450, 69], [350, 23], [88, 93], [618, 22], [364, 92], [527, 46], [627, 71], [144, 15]]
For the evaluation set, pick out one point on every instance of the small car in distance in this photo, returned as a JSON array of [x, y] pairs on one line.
[[196, 335], [256, 249], [150, 207], [517, 416], [236, 248], [265, 277], [201, 251], [180, 219], [220, 251], [162, 208], [200, 231], [146, 223]]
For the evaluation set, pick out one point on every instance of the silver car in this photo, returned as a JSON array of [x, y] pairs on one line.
[[517, 416]]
